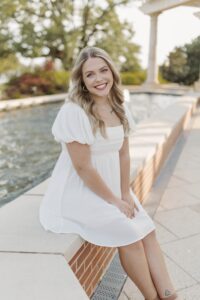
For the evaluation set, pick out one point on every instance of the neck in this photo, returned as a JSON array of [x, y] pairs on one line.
[[100, 101]]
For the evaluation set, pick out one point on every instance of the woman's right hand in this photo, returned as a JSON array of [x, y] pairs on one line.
[[124, 207]]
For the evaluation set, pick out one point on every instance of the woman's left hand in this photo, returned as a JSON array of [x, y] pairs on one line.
[[130, 200]]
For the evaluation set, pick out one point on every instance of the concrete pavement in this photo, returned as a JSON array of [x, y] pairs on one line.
[[174, 204]]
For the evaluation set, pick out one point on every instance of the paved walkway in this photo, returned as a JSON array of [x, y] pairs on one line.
[[174, 204]]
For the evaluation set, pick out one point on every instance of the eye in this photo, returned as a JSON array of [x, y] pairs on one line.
[[89, 75], [104, 70]]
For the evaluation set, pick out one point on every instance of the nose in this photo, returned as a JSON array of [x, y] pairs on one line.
[[98, 77]]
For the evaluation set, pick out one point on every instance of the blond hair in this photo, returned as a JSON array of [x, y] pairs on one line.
[[83, 98]]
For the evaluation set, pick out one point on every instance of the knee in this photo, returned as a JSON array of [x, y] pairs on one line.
[[137, 246], [150, 238], [153, 234]]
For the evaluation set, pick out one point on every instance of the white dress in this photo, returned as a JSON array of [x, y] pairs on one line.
[[69, 206]]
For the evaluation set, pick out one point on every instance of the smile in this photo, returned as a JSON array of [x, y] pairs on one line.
[[101, 86]]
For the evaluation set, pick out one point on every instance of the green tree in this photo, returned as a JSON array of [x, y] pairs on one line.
[[182, 65], [193, 60], [9, 64], [5, 35], [59, 29]]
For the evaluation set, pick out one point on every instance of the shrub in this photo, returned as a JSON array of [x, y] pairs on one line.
[[133, 78], [40, 82], [59, 79], [161, 79]]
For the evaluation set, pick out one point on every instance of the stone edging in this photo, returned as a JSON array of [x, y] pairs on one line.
[[6, 105], [152, 141]]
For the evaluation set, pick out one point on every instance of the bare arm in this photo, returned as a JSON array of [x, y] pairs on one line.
[[125, 167], [81, 159], [80, 156], [125, 175]]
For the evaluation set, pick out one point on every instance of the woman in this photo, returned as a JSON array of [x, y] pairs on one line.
[[89, 192]]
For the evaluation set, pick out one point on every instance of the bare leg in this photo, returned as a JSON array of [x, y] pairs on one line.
[[135, 264], [158, 267]]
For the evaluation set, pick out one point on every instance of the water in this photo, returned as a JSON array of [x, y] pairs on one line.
[[143, 106], [28, 151]]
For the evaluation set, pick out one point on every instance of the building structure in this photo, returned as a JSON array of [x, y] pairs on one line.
[[154, 8]]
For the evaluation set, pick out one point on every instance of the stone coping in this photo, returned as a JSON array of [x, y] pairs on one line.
[[20, 230], [34, 262], [36, 276], [6, 105], [154, 131]]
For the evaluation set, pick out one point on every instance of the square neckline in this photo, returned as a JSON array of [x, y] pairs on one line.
[[66, 102], [114, 126]]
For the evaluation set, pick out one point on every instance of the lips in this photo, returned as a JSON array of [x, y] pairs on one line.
[[101, 86]]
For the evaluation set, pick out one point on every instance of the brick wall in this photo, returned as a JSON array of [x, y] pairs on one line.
[[90, 263], [145, 177]]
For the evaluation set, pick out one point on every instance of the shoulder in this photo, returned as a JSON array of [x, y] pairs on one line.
[[125, 106], [73, 113], [126, 110], [70, 107], [72, 124], [129, 115]]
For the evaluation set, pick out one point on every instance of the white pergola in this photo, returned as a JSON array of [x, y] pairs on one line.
[[154, 8]]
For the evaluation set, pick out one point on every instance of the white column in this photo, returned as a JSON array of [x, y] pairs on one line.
[[152, 69]]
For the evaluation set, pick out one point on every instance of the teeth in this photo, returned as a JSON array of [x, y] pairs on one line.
[[101, 86]]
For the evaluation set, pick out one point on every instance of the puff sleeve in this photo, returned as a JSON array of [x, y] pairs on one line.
[[72, 124], [130, 119]]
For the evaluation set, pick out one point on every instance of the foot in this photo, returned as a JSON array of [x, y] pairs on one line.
[[157, 298], [172, 297]]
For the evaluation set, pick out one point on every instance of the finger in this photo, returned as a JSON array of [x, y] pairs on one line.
[[133, 209], [129, 214], [136, 207], [126, 213]]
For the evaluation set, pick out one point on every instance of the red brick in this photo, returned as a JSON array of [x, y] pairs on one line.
[[83, 255], [74, 267], [93, 253], [76, 255], [85, 275], [80, 271]]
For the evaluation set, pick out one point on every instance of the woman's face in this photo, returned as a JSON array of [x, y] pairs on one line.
[[97, 77]]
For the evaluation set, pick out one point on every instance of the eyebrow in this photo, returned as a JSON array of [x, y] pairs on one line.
[[99, 69]]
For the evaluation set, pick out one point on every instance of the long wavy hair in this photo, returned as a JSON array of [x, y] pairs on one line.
[[82, 97]]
